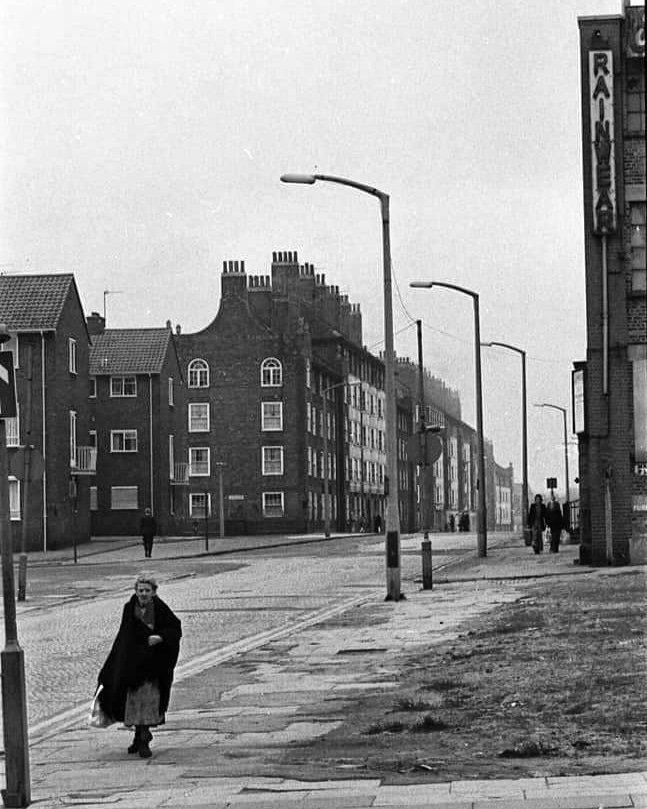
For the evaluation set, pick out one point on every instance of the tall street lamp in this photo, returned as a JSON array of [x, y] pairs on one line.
[[564, 412], [481, 510], [392, 516], [524, 434]]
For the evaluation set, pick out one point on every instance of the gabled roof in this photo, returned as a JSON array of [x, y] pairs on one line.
[[129, 351], [34, 302]]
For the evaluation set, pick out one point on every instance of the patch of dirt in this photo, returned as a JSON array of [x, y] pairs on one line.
[[554, 684]]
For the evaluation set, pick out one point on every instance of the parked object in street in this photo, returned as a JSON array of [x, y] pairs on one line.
[[537, 523], [148, 529], [138, 671]]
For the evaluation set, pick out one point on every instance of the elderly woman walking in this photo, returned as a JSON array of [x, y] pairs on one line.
[[138, 671]]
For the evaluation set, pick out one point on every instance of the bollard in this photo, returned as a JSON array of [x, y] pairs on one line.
[[427, 577]]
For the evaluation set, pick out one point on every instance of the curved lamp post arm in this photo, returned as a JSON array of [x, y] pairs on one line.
[[311, 179]]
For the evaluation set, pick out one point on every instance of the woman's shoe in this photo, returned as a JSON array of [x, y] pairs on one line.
[[134, 747], [144, 750]]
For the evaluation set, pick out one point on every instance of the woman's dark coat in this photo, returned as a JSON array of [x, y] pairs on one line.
[[532, 513], [132, 661]]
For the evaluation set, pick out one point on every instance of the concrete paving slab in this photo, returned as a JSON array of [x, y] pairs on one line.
[[571, 802], [414, 793]]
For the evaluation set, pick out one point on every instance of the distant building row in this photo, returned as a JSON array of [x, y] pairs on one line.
[[236, 417]]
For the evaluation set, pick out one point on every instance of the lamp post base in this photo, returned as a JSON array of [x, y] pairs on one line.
[[16, 744]]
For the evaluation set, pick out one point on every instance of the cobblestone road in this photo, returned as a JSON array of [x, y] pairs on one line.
[[71, 615]]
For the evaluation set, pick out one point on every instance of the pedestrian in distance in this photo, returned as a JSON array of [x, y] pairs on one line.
[[148, 530], [377, 524], [452, 523], [138, 672], [555, 522], [537, 523]]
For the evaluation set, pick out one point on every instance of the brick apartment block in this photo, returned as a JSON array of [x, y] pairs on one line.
[[50, 345]]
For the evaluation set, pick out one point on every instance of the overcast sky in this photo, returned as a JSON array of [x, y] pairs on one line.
[[143, 143]]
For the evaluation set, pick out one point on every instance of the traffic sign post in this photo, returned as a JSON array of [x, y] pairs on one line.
[[14, 699]]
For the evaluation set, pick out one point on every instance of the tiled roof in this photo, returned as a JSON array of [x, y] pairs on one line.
[[29, 302], [129, 351]]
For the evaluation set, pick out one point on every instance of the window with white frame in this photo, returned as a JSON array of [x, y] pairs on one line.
[[93, 387], [71, 355], [12, 429], [271, 373], [92, 435], [123, 440], [171, 391], [171, 456], [199, 461], [73, 437], [123, 386], [272, 460], [14, 498], [271, 416], [94, 502], [199, 505], [308, 374], [199, 417], [123, 498], [198, 374], [273, 504]]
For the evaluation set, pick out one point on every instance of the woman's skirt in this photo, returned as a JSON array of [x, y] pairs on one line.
[[142, 706]]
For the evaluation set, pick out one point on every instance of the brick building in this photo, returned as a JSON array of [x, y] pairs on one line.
[[50, 345], [257, 377], [138, 426], [610, 387]]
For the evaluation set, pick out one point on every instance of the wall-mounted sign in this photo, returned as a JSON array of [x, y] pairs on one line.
[[635, 31], [602, 141], [578, 401]]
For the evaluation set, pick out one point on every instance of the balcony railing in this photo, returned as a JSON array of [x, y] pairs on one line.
[[84, 462], [180, 474]]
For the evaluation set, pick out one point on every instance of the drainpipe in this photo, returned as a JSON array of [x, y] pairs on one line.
[[44, 426], [605, 318], [150, 439]]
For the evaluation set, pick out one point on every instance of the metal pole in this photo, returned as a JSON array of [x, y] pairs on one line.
[[423, 434], [206, 519], [221, 502], [22, 560], [392, 521], [392, 517], [525, 505], [524, 436], [14, 699], [567, 498], [482, 513]]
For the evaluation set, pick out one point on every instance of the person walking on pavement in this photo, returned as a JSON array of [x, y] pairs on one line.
[[537, 523], [148, 529], [555, 521], [138, 671]]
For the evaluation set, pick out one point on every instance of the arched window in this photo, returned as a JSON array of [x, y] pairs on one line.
[[271, 373], [198, 374]]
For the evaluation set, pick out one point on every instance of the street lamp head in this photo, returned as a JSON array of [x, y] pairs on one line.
[[421, 284], [303, 179]]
